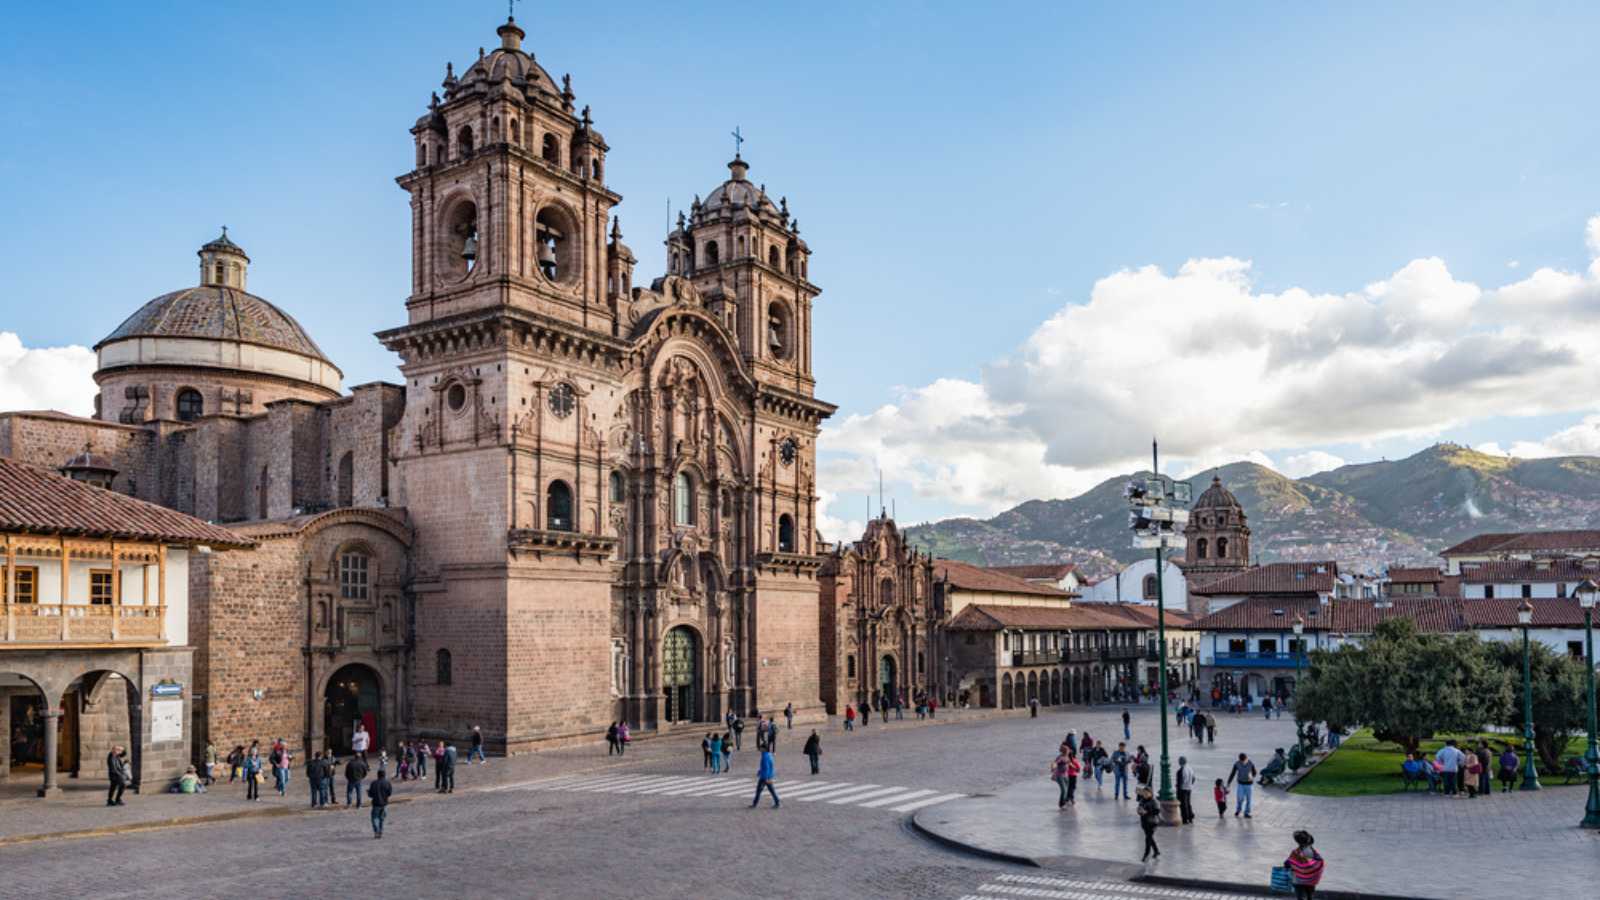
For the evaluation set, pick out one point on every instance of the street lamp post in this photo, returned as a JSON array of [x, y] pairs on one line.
[[1156, 520], [1299, 653], [1530, 774], [1588, 594]]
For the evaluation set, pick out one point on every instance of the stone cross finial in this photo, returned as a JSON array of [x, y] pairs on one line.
[[738, 142]]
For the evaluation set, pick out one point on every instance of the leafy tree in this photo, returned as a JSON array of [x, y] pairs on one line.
[[1559, 695], [1406, 686]]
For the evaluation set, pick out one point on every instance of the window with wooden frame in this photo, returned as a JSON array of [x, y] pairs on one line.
[[100, 587], [27, 584], [353, 576]]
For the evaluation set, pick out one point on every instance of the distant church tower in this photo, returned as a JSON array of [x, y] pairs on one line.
[[1218, 536]]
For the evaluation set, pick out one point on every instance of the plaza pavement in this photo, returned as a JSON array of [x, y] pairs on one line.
[[653, 824], [1408, 845]]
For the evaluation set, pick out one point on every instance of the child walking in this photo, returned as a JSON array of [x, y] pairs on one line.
[[1219, 793]]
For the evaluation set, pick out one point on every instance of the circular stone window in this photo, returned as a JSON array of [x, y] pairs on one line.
[[456, 397], [562, 400]]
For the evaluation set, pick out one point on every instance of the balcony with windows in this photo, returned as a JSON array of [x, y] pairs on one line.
[[58, 592], [1258, 660]]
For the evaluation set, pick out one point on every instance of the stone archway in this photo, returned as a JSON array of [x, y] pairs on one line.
[[352, 694], [25, 712], [1005, 691], [888, 679]]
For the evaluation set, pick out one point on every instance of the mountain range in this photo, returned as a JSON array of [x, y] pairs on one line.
[[1366, 515]]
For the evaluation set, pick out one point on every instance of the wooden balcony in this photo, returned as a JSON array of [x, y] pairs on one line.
[[42, 604]]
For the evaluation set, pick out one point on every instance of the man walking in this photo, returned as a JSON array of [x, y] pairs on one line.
[[117, 772], [1033, 707], [379, 792], [330, 772], [314, 780], [355, 772], [813, 752], [788, 715], [1211, 728], [280, 766], [1245, 771], [477, 747], [1186, 779], [360, 741], [738, 733], [849, 717], [448, 765], [772, 735], [1127, 732], [764, 776], [1119, 772]]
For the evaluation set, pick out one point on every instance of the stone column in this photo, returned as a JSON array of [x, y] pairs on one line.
[[52, 721]]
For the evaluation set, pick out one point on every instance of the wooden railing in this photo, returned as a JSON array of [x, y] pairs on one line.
[[26, 621]]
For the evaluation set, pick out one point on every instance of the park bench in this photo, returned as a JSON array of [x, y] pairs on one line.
[[1575, 769]]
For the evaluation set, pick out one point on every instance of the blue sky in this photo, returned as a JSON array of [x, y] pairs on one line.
[[965, 174]]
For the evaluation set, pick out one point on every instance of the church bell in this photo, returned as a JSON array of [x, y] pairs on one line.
[[547, 257], [469, 249]]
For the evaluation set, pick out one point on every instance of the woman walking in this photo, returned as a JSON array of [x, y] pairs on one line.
[[250, 768], [1074, 769], [1149, 818], [705, 750], [714, 751], [1305, 866], [1058, 774]]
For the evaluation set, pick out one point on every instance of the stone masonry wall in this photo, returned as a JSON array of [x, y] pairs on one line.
[[787, 644]]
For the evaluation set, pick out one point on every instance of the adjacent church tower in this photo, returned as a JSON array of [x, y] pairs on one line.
[[1218, 536]]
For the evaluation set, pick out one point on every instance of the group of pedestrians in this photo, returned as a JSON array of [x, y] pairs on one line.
[[1201, 724], [927, 706], [1454, 772]]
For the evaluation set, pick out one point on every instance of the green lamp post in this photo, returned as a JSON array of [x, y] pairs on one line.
[[1588, 595], [1530, 774]]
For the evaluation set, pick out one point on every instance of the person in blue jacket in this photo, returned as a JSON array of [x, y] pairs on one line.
[[764, 776]]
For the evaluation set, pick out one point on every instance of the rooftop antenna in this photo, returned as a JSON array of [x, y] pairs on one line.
[[880, 489]]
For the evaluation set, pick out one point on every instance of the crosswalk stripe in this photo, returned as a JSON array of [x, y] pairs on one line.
[[671, 783], [853, 798], [1123, 887], [604, 784], [1100, 891], [918, 804], [705, 786], [901, 796], [831, 795], [577, 783], [634, 786], [740, 786], [817, 787]]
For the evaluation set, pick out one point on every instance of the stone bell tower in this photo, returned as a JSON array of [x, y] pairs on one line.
[[508, 197], [744, 254]]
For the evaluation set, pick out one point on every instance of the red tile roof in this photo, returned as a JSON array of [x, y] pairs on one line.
[[1085, 617], [1415, 576], [1526, 542], [1547, 613], [968, 577], [1051, 571], [1266, 614], [1275, 578], [1527, 570], [38, 501], [1431, 614]]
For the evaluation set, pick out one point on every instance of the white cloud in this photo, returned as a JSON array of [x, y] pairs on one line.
[[1299, 465], [59, 378], [1216, 368]]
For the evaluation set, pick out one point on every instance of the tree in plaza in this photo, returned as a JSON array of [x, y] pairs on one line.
[[1559, 695], [1406, 686]]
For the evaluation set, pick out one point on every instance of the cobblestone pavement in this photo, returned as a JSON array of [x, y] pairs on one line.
[[662, 831]]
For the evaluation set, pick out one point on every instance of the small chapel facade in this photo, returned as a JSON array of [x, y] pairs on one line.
[[586, 500]]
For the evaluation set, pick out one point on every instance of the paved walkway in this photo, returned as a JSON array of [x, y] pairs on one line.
[[1407, 845]]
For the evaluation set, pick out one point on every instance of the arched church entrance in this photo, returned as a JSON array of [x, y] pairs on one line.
[[353, 694], [887, 683], [680, 673]]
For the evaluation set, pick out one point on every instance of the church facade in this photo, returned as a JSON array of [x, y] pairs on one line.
[[586, 501]]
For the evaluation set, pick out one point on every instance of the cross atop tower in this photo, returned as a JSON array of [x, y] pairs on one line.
[[738, 142], [511, 10]]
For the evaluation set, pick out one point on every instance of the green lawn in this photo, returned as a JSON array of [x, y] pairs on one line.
[[1363, 766]]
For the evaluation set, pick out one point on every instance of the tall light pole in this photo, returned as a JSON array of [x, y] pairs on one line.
[[1588, 594], [1156, 517], [1530, 774], [1299, 653]]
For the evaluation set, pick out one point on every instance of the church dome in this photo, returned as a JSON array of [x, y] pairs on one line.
[[738, 191], [218, 325], [1217, 497], [216, 312], [508, 62]]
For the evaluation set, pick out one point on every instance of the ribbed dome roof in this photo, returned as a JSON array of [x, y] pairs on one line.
[[216, 312], [1217, 497], [509, 61]]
